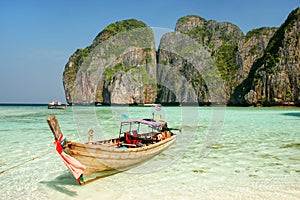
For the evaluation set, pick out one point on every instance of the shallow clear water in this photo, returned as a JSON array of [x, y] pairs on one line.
[[221, 153]]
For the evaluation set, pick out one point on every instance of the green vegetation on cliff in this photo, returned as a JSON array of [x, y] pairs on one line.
[[186, 19], [118, 27], [258, 32], [226, 63], [208, 32]]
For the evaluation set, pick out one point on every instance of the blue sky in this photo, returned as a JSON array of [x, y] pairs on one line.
[[37, 37]]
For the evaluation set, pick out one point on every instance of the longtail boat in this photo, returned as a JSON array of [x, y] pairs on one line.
[[90, 160]]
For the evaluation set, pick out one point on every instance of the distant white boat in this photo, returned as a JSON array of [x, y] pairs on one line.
[[56, 105], [152, 104]]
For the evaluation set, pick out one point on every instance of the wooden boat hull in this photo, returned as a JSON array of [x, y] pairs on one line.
[[96, 159], [105, 159]]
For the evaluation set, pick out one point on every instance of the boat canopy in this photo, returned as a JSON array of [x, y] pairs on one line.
[[148, 122], [142, 126]]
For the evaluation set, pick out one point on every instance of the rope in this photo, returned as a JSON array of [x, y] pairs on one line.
[[23, 163], [14, 158], [27, 153]]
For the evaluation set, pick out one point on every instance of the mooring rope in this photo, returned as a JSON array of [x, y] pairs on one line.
[[5, 162], [27, 161], [27, 153]]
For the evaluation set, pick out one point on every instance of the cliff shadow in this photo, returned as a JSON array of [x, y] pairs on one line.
[[237, 97]]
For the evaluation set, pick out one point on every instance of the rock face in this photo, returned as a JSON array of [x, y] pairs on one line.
[[118, 68], [220, 41], [186, 72], [232, 53], [202, 62], [274, 78], [259, 68], [252, 47]]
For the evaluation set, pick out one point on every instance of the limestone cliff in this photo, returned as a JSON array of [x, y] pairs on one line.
[[202, 61], [231, 52], [259, 68], [221, 40], [186, 73], [274, 79], [117, 68]]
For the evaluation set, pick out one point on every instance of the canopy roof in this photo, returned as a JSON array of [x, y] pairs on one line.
[[148, 122]]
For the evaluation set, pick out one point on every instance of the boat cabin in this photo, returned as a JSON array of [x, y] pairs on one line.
[[138, 133]]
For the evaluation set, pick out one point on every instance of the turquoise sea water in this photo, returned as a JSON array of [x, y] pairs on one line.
[[221, 153]]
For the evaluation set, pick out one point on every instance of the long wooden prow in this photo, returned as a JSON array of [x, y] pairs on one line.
[[54, 126]]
